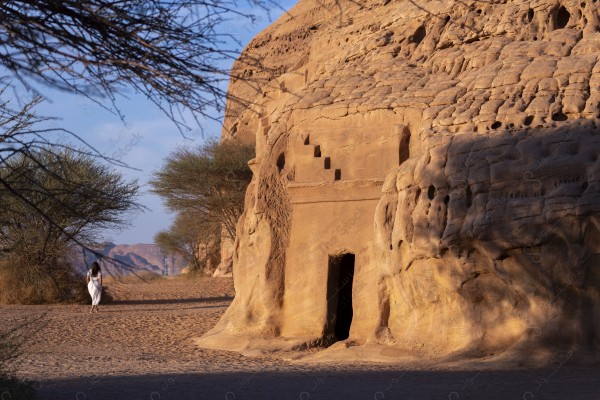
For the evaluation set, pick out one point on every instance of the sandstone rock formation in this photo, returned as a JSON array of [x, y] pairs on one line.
[[224, 268], [426, 178]]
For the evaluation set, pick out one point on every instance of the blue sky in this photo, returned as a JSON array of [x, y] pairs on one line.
[[146, 138]]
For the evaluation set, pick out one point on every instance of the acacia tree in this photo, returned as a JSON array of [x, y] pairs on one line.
[[77, 196], [171, 51], [206, 187]]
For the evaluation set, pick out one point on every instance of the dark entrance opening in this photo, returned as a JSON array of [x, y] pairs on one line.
[[339, 295]]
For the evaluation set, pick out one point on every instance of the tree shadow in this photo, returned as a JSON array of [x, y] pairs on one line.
[[173, 301], [325, 383]]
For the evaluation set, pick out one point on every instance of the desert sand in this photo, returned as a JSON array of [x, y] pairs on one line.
[[141, 347]]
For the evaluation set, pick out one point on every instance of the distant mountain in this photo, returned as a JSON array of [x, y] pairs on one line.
[[123, 259]]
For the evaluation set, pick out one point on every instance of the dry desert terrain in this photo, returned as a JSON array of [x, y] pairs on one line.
[[141, 347]]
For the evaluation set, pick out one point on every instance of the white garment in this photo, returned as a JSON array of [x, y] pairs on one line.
[[94, 287]]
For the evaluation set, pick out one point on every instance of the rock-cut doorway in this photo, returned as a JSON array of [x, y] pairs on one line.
[[339, 295]]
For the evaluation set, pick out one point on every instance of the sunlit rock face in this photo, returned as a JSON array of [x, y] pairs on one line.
[[426, 178]]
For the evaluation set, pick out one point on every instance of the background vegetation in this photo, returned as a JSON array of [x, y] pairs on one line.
[[78, 197], [206, 187]]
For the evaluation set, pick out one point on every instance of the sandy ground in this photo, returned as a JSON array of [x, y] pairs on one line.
[[141, 347]]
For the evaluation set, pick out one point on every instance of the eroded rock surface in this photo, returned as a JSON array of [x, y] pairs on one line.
[[440, 158]]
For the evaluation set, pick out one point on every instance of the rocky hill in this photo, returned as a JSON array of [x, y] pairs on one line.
[[125, 259], [427, 178]]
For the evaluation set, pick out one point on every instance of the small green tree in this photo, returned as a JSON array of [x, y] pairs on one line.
[[206, 187], [75, 197]]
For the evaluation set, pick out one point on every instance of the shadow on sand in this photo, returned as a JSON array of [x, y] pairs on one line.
[[173, 301], [566, 382]]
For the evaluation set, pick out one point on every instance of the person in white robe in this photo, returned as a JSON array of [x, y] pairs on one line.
[[94, 284]]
